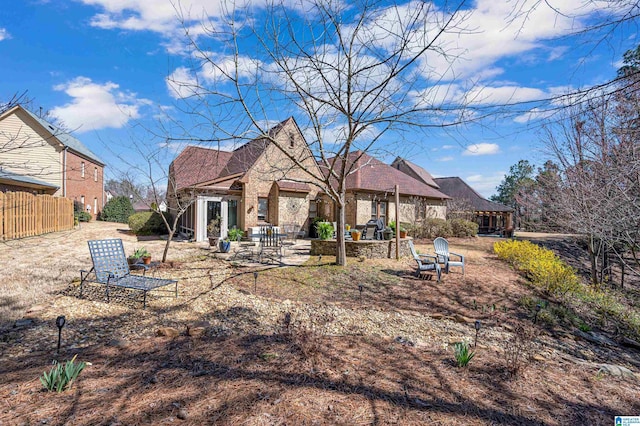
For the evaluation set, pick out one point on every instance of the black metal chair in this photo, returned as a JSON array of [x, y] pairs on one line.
[[269, 242], [110, 268]]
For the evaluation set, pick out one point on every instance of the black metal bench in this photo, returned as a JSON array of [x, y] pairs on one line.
[[110, 268]]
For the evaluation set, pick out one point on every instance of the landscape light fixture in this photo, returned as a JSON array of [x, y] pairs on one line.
[[477, 326], [60, 321], [360, 288], [255, 281], [535, 317]]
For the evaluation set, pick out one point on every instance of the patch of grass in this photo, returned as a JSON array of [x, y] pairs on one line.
[[462, 353]]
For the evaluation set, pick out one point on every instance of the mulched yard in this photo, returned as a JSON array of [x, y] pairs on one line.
[[303, 345]]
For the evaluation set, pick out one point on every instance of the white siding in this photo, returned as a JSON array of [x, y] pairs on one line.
[[26, 152]]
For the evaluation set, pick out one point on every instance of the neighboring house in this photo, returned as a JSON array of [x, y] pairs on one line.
[[38, 157], [253, 185], [491, 217], [371, 194], [146, 206]]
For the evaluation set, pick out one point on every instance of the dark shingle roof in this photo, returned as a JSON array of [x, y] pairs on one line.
[[458, 189], [414, 171], [374, 175], [196, 165]]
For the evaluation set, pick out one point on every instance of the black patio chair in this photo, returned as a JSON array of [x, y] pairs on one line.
[[270, 242], [110, 268]]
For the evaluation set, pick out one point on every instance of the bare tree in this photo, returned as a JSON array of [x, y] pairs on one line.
[[352, 75]]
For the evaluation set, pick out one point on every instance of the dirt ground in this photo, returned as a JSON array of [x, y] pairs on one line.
[[298, 345]]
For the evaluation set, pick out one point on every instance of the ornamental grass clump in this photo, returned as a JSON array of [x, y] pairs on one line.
[[462, 353], [540, 265], [61, 377]]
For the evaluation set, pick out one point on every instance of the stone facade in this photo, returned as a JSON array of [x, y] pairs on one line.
[[370, 249]]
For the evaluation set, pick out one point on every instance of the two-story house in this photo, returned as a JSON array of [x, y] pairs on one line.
[[39, 157]]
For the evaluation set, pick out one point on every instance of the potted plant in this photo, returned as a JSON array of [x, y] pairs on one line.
[[347, 227], [225, 245], [325, 230], [387, 234], [355, 235], [139, 254], [403, 232], [235, 234], [213, 231]]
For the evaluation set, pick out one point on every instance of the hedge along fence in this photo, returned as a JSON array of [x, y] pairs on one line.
[[25, 215]]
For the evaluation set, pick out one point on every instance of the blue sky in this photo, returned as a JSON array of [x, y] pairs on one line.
[[101, 66]]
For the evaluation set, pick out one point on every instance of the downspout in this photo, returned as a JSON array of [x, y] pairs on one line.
[[64, 171]]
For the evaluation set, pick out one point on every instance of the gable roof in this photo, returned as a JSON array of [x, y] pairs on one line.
[[374, 175], [63, 137], [459, 189], [197, 166], [414, 171]]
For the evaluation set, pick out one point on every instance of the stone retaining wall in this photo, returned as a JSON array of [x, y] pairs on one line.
[[371, 249]]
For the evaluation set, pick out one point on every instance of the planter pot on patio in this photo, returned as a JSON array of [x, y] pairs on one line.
[[146, 260], [403, 234], [387, 235], [355, 235], [213, 241], [225, 246]]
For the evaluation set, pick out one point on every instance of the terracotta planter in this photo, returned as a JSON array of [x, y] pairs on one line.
[[146, 260], [213, 241], [403, 234], [355, 235]]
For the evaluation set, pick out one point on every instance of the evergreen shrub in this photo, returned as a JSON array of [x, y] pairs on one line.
[[117, 209]]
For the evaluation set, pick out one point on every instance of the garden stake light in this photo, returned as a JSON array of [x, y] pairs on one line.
[[255, 281], [60, 323], [360, 288], [477, 325], [535, 317]]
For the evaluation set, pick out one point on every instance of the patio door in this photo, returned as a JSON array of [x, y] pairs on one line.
[[208, 209]]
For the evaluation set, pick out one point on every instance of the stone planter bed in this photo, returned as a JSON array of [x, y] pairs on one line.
[[370, 249]]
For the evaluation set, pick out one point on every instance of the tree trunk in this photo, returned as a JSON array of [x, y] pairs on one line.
[[166, 246], [341, 250]]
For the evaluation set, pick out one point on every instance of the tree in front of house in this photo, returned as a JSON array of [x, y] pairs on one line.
[[117, 209], [354, 77]]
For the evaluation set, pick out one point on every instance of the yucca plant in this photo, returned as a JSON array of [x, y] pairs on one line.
[[463, 354], [61, 377]]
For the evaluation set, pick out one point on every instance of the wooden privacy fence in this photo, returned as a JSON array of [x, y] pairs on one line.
[[24, 215]]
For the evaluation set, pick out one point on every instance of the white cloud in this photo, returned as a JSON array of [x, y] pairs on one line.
[[482, 149], [4, 34], [443, 159], [96, 106], [485, 185], [181, 83]]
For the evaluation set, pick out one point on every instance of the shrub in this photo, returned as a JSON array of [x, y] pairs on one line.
[[61, 377], [325, 230], [83, 216], [432, 228], [235, 234], [462, 353], [518, 351], [540, 265], [463, 228], [117, 209], [148, 223]]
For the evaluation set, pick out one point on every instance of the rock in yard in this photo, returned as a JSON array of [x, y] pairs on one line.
[[167, 332], [24, 322], [616, 370], [182, 414]]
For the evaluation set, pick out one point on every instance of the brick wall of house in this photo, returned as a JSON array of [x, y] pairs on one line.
[[90, 186]]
